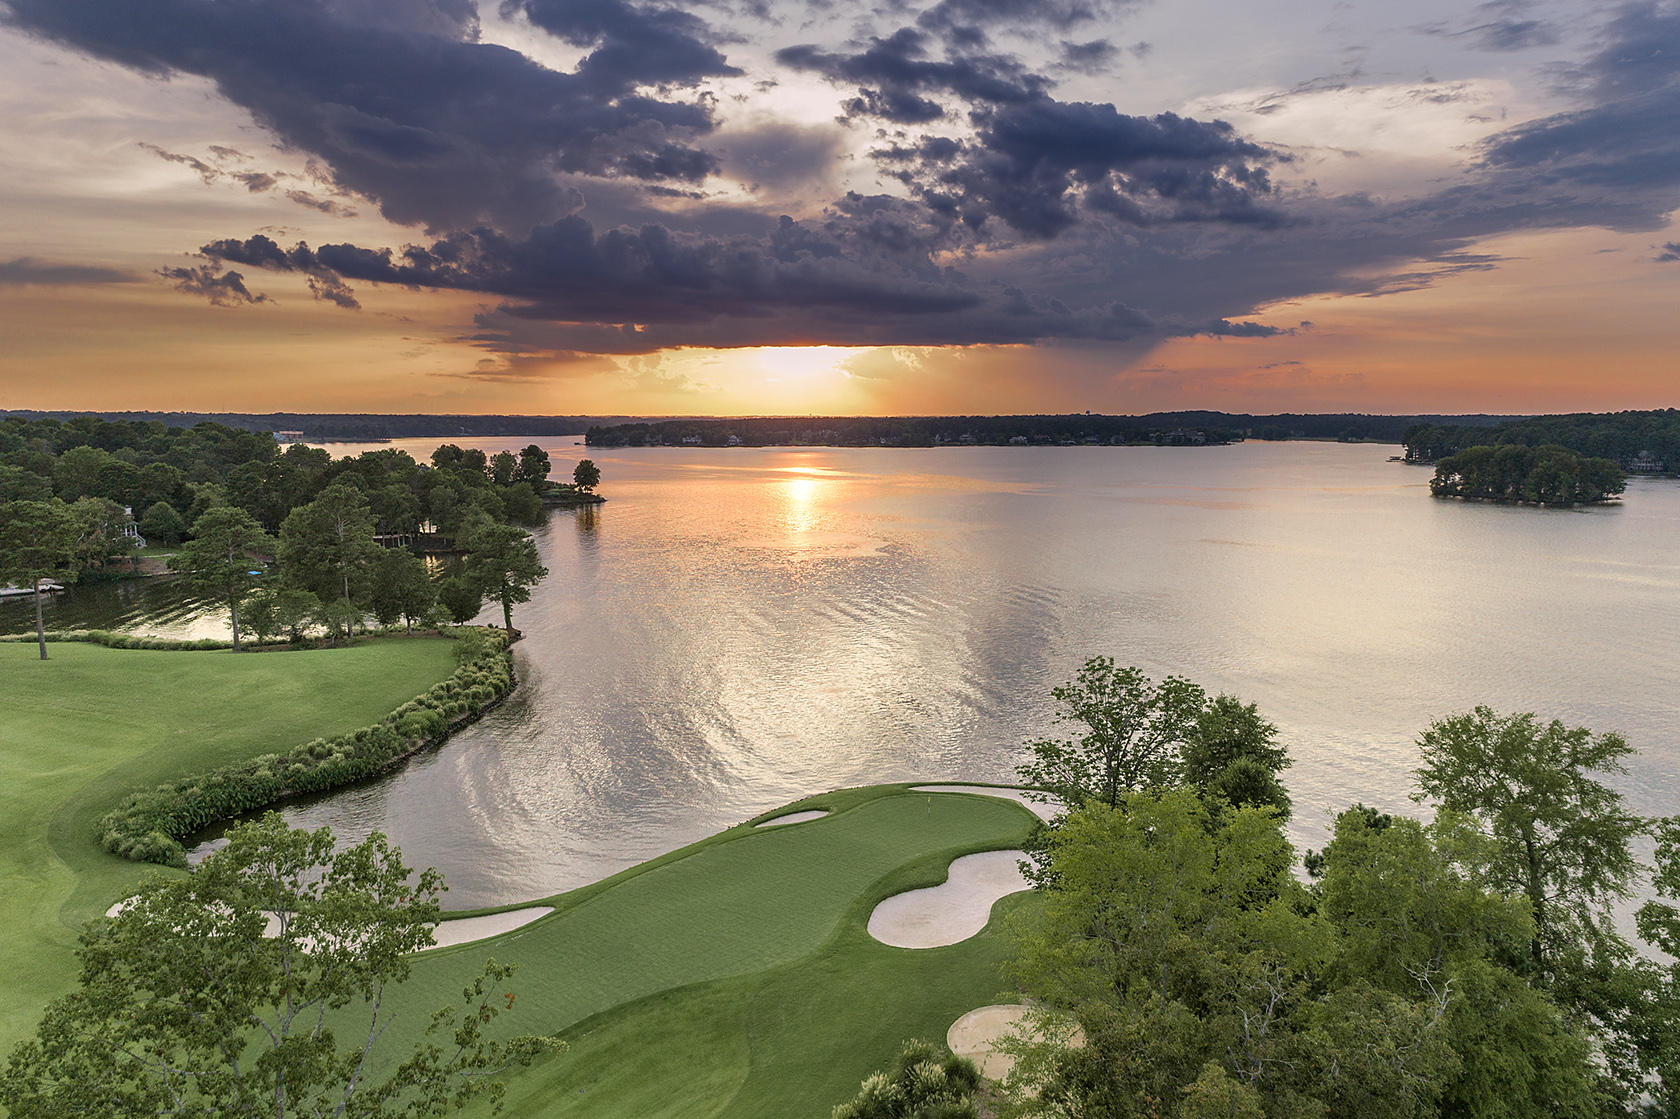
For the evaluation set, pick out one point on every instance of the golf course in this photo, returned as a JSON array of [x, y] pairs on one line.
[[91, 724], [732, 977]]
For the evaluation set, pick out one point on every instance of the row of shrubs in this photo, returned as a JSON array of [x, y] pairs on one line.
[[123, 640], [149, 825]]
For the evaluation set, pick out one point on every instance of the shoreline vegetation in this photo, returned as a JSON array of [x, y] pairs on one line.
[[1546, 476], [149, 825]]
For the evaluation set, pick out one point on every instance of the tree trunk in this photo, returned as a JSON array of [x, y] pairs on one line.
[[233, 609], [40, 629], [507, 617]]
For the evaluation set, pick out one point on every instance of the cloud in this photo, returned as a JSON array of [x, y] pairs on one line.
[[1043, 165], [1620, 153], [1499, 26], [1669, 253], [895, 77], [406, 108], [222, 289], [25, 271]]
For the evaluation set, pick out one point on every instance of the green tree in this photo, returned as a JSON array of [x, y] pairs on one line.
[[37, 542], [401, 588], [100, 538], [1559, 836], [1176, 936], [586, 475], [1131, 731], [187, 1006], [327, 545], [1232, 752], [294, 609], [502, 562], [459, 595], [923, 1082], [223, 557], [522, 505], [534, 466], [339, 617], [18, 484], [504, 468], [161, 524], [262, 614]]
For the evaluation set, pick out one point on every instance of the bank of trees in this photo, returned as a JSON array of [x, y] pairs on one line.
[[305, 549], [1546, 475], [1470, 966], [1644, 441]]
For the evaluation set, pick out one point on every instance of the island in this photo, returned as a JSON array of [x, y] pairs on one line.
[[1519, 475]]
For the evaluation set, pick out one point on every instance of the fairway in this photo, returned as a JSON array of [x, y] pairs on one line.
[[91, 724], [735, 977]]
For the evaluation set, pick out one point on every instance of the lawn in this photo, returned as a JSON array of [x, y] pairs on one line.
[[92, 723], [735, 977]]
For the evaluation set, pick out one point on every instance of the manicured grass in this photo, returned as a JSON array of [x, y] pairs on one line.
[[91, 724], [735, 977]]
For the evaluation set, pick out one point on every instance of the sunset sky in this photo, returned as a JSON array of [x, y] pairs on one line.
[[767, 206]]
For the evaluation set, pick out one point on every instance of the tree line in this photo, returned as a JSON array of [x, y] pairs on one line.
[[287, 539], [1197, 427], [1187, 964], [1644, 442]]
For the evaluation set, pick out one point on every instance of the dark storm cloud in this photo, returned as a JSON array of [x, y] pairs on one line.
[[1042, 165], [1670, 253], [778, 156], [223, 289], [631, 45], [897, 80], [859, 276], [439, 129], [27, 271], [1620, 154], [1090, 57]]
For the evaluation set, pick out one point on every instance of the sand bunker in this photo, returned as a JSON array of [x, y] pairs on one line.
[[462, 930], [1042, 811], [794, 818], [954, 911], [976, 1033]]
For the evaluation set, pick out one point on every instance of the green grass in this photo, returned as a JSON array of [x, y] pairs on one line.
[[732, 979], [91, 724], [735, 977]]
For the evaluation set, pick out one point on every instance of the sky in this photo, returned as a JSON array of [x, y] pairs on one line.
[[732, 207]]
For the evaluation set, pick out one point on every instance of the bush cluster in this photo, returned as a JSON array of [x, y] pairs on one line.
[[125, 640], [149, 825]]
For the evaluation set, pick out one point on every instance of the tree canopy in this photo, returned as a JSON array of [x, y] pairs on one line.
[[223, 992]]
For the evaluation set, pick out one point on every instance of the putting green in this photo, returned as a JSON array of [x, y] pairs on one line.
[[735, 977], [91, 723]]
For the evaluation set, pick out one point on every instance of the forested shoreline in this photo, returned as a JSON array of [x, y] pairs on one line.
[[288, 539], [1645, 442]]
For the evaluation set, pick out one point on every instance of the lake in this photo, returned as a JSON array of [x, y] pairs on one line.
[[736, 628]]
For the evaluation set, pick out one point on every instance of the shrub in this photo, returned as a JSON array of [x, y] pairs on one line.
[[149, 824], [923, 1083]]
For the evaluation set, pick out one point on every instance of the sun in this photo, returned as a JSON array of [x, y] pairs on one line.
[[801, 364]]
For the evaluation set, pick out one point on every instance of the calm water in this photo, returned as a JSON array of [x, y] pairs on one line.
[[735, 628]]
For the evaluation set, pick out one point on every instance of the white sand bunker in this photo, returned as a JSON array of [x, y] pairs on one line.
[[462, 930], [1042, 811], [975, 1036], [794, 818], [954, 911]]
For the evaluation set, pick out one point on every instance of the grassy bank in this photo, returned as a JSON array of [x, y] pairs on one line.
[[92, 724], [735, 978]]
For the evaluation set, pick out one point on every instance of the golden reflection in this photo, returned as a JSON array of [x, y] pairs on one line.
[[800, 497]]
